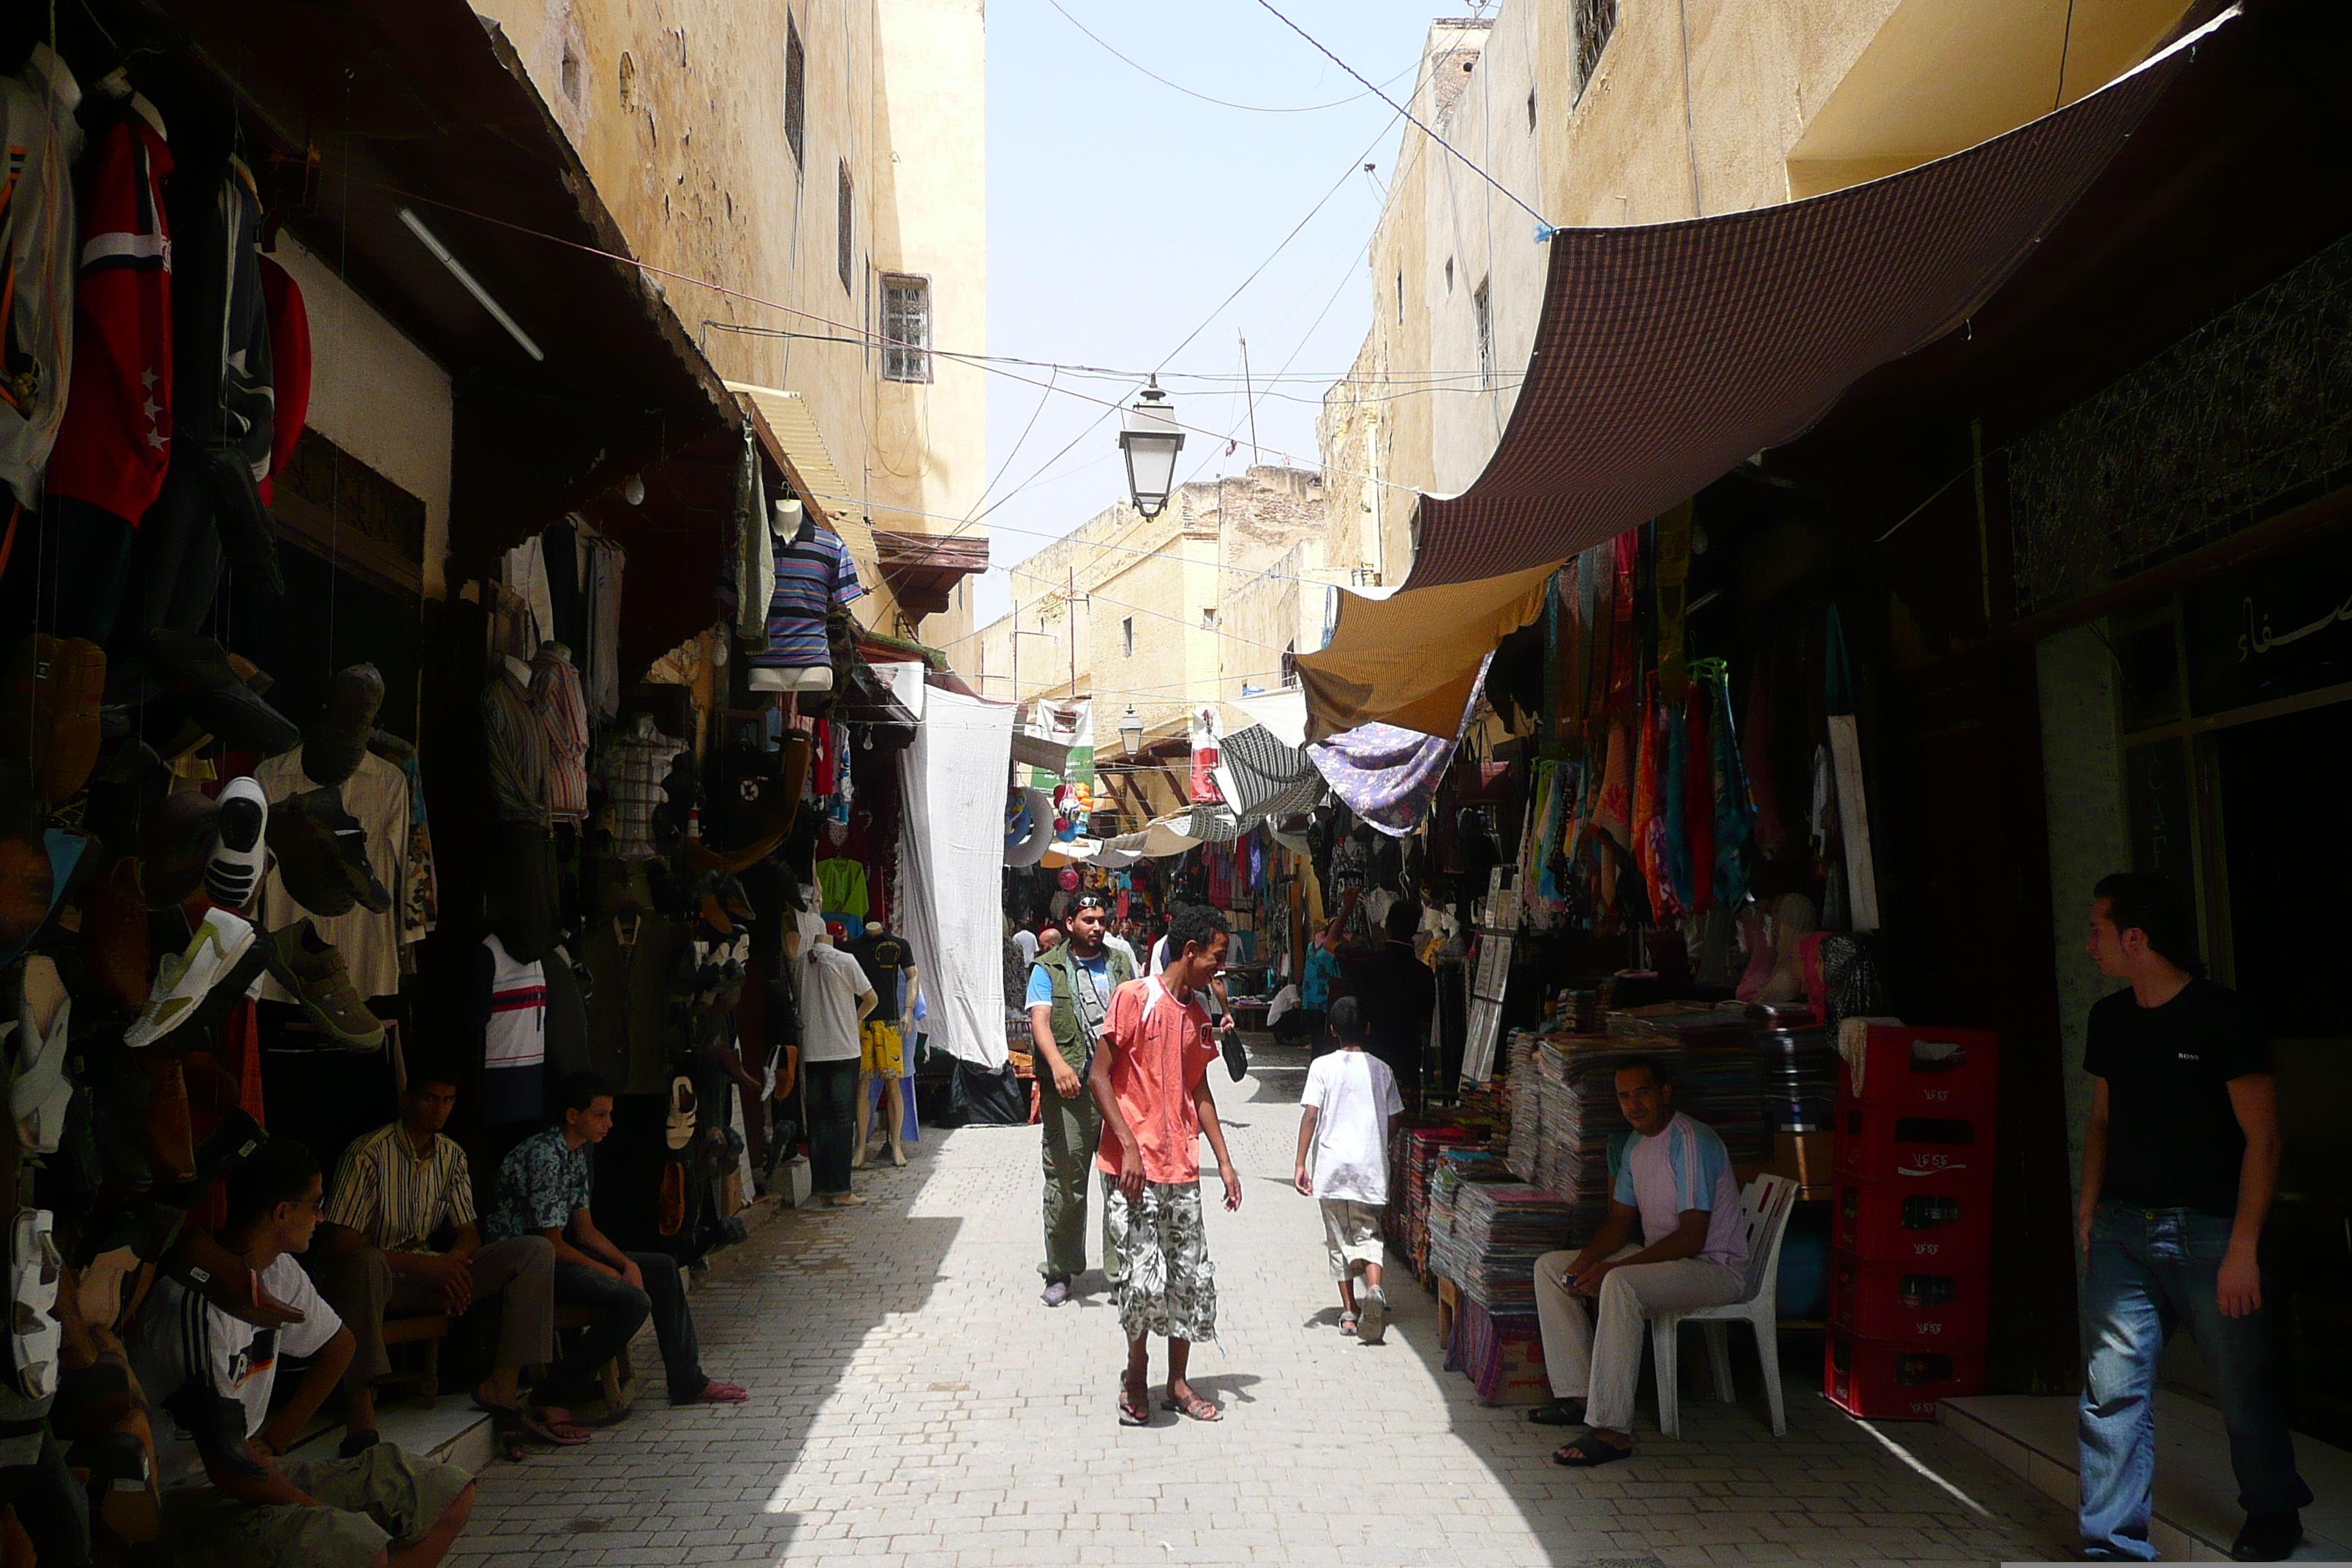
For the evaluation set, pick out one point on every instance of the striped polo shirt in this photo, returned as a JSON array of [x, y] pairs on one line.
[[813, 575], [394, 1199]]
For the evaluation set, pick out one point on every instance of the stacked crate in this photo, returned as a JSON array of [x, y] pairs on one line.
[[1912, 1221]]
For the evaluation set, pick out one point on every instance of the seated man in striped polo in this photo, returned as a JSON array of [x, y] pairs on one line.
[[398, 1192]]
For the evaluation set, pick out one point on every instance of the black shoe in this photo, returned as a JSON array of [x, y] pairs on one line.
[[1558, 1412], [215, 697], [2268, 1537]]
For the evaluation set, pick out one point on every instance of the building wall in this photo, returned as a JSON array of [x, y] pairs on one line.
[[677, 109], [1690, 109], [377, 396]]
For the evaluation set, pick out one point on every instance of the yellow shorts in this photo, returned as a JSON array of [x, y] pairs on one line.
[[880, 1053]]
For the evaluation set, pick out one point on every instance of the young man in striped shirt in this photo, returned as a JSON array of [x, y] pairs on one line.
[[396, 1190]]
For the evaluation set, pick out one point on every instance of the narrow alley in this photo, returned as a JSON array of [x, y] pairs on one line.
[[913, 1404]]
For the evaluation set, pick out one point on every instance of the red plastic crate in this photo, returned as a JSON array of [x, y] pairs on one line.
[[1925, 1224], [1924, 1304], [1881, 1380], [1951, 1148], [1926, 1069]]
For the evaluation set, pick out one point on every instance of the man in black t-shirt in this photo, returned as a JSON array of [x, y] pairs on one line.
[[2180, 1162]]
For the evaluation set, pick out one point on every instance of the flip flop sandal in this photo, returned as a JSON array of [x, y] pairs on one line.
[[1193, 1408], [1348, 1321], [34, 1334], [1133, 1412], [560, 1433], [40, 1094], [1587, 1451]]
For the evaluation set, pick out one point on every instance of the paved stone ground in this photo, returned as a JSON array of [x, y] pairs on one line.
[[913, 1404]]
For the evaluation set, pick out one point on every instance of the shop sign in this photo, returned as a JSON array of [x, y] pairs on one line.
[[2274, 628]]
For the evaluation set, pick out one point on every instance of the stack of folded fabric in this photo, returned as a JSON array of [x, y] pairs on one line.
[[1408, 1213], [1499, 1230], [1527, 1106], [1457, 1174], [1553, 1168]]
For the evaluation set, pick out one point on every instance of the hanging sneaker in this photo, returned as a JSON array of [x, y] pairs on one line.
[[187, 978], [324, 807], [39, 1093], [212, 693], [233, 874], [34, 1332], [314, 971]]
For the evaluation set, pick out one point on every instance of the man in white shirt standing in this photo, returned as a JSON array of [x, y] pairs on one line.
[[835, 997], [1676, 1180], [228, 1495]]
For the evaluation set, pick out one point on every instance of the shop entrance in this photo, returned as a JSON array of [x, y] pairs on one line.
[[2237, 714]]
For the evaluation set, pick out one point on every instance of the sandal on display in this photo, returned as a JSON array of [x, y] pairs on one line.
[[39, 1093], [34, 1332]]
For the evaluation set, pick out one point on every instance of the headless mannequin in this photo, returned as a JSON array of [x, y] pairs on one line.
[[784, 524], [894, 1117]]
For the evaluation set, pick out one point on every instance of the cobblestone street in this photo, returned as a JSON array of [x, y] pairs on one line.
[[913, 1403]]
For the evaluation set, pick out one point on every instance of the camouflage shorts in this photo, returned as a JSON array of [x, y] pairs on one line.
[[1169, 1286]]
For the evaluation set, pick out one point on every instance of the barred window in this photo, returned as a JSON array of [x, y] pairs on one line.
[[906, 328], [1595, 21], [1482, 306]]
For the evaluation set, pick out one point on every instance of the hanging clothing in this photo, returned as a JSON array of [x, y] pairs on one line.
[[601, 561], [813, 576], [516, 742], [514, 1035], [1756, 759], [377, 795], [1650, 849], [116, 439], [751, 585], [289, 353], [563, 716], [38, 237], [223, 386], [841, 884], [1698, 796], [631, 769]]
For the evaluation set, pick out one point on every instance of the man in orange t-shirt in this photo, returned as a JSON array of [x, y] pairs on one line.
[[1150, 1079]]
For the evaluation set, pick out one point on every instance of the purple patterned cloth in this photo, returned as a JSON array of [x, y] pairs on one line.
[[1389, 775]]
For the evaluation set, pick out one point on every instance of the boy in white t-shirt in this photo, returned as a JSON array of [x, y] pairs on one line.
[[1350, 1105]]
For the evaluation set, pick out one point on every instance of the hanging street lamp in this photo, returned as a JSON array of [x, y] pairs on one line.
[[1149, 438], [1130, 731]]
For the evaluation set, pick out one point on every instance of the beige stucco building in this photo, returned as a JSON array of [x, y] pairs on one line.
[[1602, 112], [1165, 614], [807, 177]]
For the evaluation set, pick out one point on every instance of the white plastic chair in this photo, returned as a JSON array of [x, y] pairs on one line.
[[1768, 1202]]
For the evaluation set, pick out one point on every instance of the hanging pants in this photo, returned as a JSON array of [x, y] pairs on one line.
[[1073, 1133]]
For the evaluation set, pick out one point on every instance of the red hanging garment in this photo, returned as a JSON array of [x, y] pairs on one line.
[[290, 354]]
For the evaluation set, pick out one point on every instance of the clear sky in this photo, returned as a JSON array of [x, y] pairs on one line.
[[1122, 212]]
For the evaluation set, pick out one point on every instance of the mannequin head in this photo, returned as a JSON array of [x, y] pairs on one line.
[[787, 518], [836, 834], [876, 928]]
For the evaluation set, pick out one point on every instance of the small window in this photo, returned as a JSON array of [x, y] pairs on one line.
[[571, 73], [1531, 109], [1126, 638], [795, 89], [1400, 296], [1208, 619], [906, 328], [1449, 275], [1482, 309], [1595, 20], [844, 230]]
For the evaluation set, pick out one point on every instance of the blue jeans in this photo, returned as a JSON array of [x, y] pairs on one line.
[[2150, 1271], [620, 1310]]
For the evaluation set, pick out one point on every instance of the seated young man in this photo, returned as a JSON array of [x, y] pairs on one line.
[[229, 1497], [394, 1190], [542, 1190], [1677, 1181]]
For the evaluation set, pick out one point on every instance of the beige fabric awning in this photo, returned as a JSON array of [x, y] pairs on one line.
[[1410, 660], [809, 464]]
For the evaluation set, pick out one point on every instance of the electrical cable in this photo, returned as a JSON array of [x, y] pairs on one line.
[[1204, 97]]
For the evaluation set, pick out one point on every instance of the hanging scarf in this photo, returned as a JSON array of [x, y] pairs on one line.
[[1612, 811], [1674, 792], [1624, 659], [1698, 799], [1756, 757], [1651, 854]]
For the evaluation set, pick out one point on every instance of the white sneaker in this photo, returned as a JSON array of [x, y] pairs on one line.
[[38, 1090], [234, 873], [34, 1332], [186, 978], [1371, 1314]]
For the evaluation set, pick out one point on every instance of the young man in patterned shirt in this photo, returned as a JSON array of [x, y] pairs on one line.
[[543, 1190], [1150, 1079]]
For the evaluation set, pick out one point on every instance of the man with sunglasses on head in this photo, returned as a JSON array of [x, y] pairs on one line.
[[1069, 991]]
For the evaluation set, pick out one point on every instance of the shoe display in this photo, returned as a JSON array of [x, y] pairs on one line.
[[171, 1138], [233, 874], [34, 1332], [308, 861], [176, 840], [677, 1130], [197, 670], [114, 934], [39, 1093], [186, 978], [314, 972], [50, 712], [35, 870], [323, 819], [332, 747]]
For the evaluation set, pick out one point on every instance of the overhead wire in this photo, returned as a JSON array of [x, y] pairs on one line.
[[1204, 97]]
